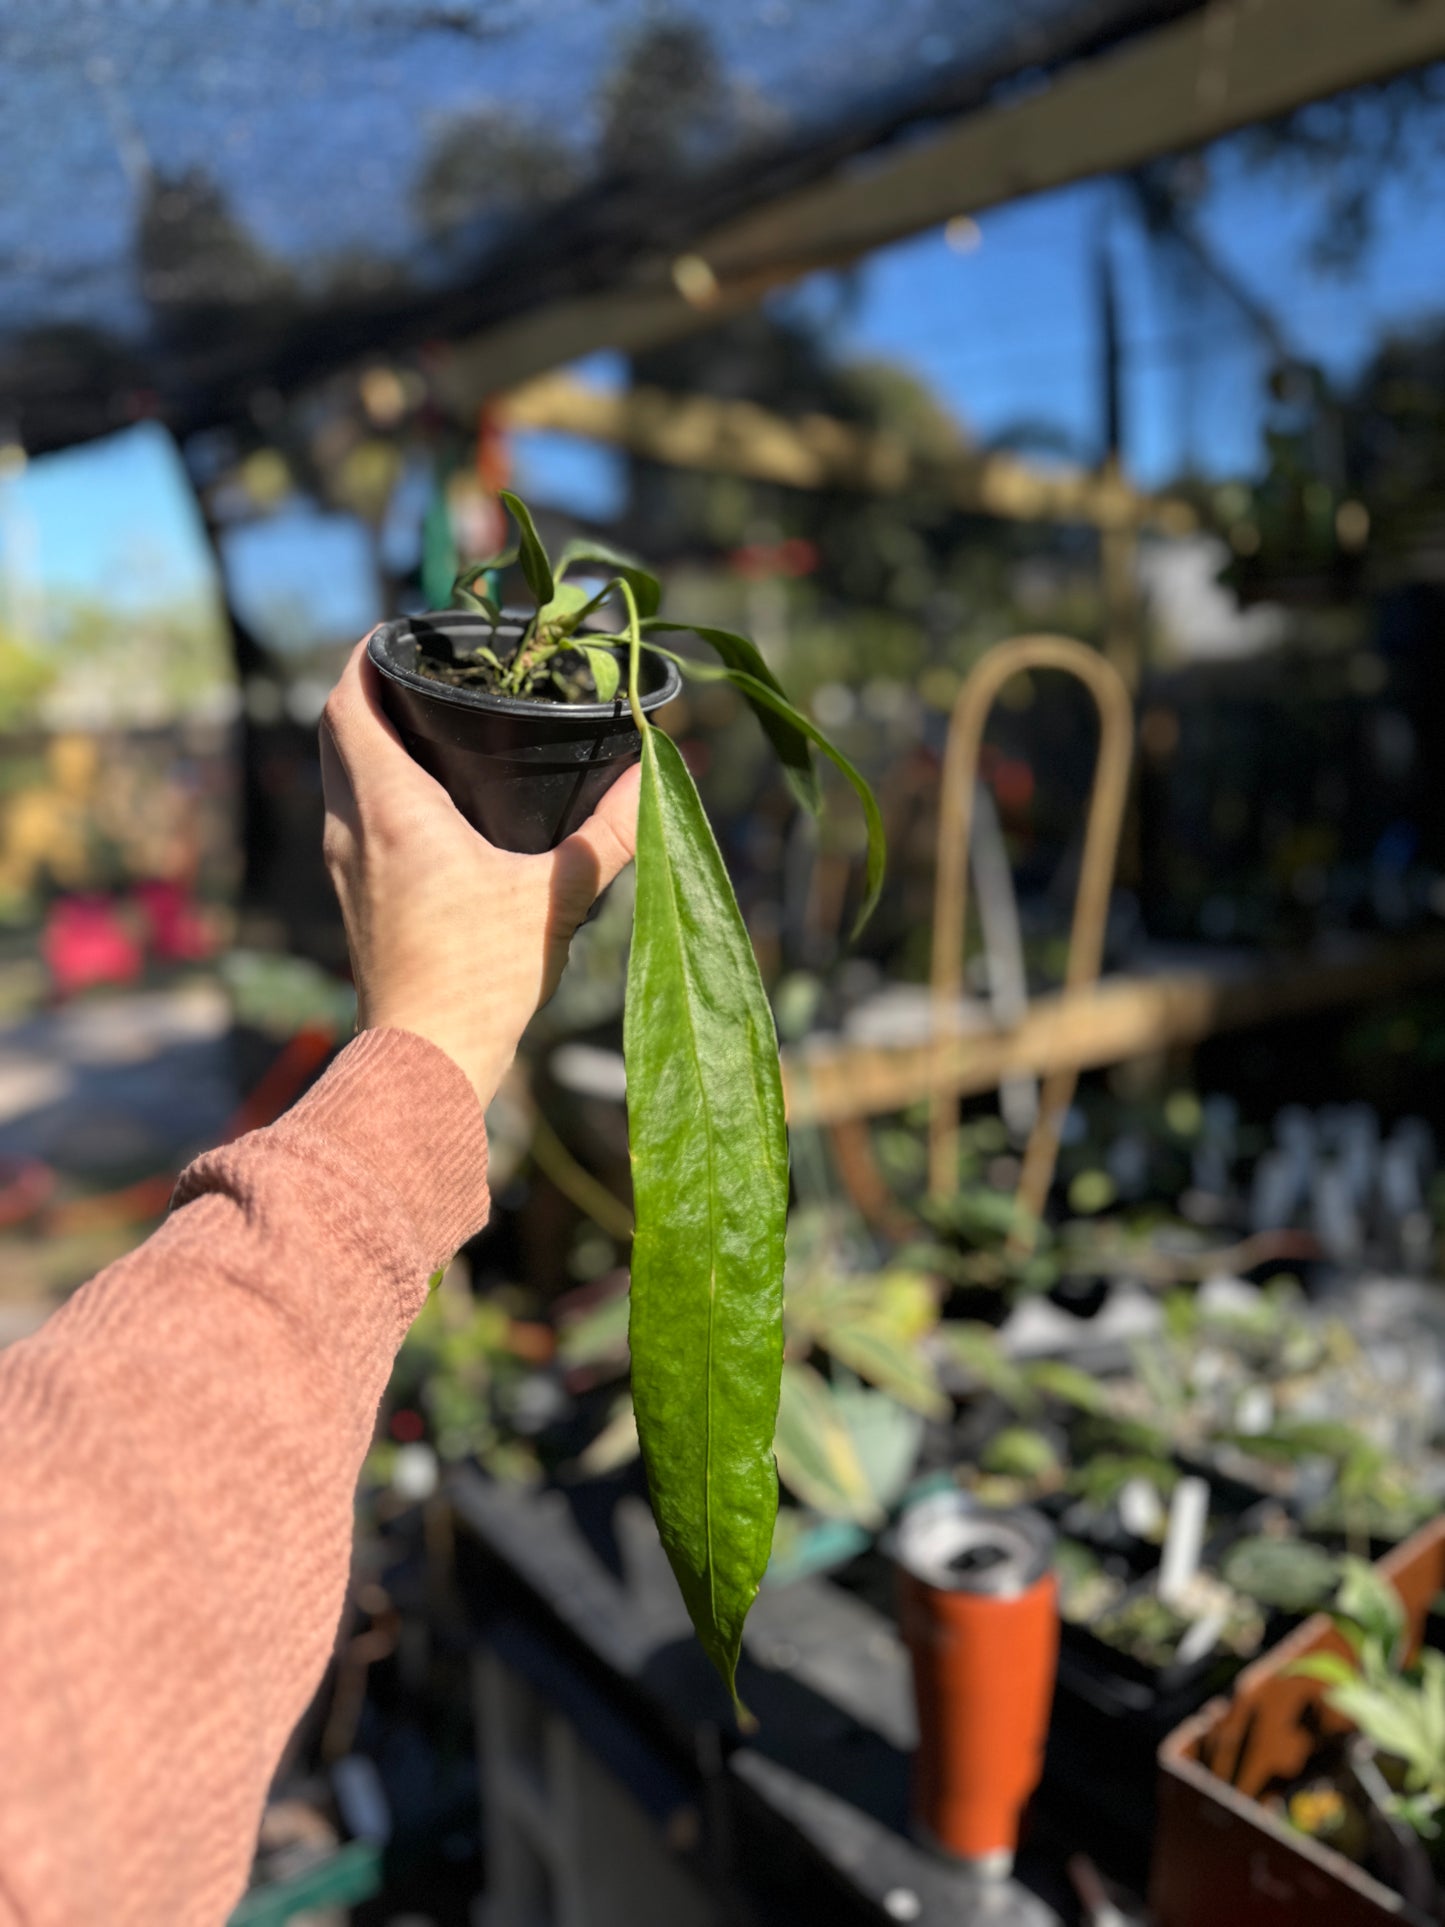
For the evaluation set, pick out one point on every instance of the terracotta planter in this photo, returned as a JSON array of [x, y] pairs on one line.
[[978, 1606], [1219, 1855]]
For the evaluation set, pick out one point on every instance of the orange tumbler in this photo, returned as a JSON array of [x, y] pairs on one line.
[[979, 1609]]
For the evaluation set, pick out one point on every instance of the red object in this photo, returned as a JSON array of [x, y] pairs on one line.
[[26, 1186], [1013, 785], [757, 560], [983, 1672], [85, 943], [178, 933], [494, 454], [304, 1052]]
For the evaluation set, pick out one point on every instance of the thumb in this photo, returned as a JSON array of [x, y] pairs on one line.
[[608, 839]]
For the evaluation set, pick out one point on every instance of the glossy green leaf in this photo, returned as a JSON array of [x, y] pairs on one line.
[[782, 725], [766, 697], [535, 566], [606, 671], [579, 554], [710, 1188]]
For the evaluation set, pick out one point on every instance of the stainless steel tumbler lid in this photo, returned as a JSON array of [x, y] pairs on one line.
[[950, 1543]]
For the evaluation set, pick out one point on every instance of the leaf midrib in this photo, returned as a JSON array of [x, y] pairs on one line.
[[711, 1192]]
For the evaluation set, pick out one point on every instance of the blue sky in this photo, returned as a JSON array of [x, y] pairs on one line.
[[114, 518], [1006, 334]]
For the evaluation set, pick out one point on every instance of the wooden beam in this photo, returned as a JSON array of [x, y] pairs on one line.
[[1226, 66], [1223, 67], [1122, 1018], [816, 452]]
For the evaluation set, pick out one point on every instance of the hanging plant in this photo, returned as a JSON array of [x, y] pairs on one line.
[[706, 1129]]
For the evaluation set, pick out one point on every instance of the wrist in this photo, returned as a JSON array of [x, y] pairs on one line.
[[483, 1061]]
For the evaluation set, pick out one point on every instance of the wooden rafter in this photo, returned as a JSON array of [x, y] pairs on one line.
[[1231, 63], [816, 452]]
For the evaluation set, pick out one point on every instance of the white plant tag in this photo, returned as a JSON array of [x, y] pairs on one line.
[[1201, 1638], [1184, 1541]]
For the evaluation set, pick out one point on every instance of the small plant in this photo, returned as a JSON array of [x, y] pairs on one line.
[[1291, 1575], [1398, 1707], [708, 1140], [1157, 1632]]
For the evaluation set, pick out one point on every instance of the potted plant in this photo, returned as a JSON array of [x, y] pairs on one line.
[[527, 720], [1387, 1794], [1262, 1810]]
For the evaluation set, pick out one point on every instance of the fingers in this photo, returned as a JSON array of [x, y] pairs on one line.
[[609, 836], [360, 743], [336, 791]]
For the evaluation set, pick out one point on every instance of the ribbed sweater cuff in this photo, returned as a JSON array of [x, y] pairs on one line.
[[410, 1112]]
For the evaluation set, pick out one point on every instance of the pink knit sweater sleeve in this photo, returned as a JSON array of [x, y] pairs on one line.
[[179, 1449]]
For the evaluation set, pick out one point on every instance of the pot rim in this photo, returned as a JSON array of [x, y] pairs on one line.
[[533, 707], [934, 1527]]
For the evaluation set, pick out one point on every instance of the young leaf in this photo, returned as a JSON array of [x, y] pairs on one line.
[[606, 672], [710, 1183], [535, 566], [781, 726], [1369, 1599], [490, 565], [764, 696], [479, 605], [646, 589], [465, 589], [570, 602]]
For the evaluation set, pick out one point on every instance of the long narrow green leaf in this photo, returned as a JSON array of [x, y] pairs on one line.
[[646, 589], [780, 725], [710, 1185], [535, 566], [765, 696]]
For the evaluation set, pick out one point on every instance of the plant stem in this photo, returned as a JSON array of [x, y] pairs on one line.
[[634, 656]]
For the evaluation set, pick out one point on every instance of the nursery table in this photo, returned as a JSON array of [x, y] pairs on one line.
[[804, 1819]]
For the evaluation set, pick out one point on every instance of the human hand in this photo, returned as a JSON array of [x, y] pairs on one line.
[[450, 937]]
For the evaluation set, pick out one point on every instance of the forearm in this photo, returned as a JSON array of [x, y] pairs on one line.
[[179, 1450]]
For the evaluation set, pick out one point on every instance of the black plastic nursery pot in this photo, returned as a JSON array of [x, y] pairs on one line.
[[524, 772]]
